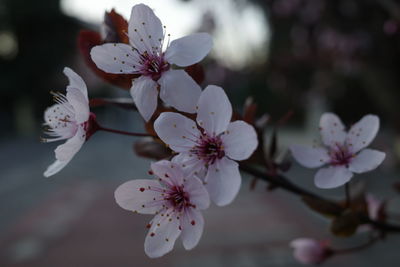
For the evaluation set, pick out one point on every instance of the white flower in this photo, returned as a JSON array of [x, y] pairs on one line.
[[68, 119], [210, 146], [176, 200], [344, 153], [145, 56], [310, 251]]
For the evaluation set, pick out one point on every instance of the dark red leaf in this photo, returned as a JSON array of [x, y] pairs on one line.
[[196, 71], [115, 28]]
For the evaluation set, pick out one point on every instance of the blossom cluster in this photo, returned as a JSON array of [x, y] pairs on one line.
[[198, 128]]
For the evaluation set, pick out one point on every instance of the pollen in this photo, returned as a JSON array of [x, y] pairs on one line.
[[141, 189]]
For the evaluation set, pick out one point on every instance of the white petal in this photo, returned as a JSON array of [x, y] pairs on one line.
[[80, 104], [192, 228], [374, 206], [115, 58], [145, 29], [162, 235], [332, 130], [332, 177], [53, 114], [179, 90], [362, 133], [310, 157], [168, 171], [198, 194], [190, 164], [55, 168], [136, 196], [177, 131], [144, 93], [367, 160], [189, 50], [223, 181], [240, 140], [75, 81], [214, 110], [66, 151]]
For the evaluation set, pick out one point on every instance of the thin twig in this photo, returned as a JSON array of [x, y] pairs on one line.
[[101, 128], [282, 182]]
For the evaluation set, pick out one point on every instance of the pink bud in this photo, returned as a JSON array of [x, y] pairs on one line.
[[310, 251]]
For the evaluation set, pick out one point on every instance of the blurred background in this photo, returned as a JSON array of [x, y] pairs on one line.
[[305, 56]]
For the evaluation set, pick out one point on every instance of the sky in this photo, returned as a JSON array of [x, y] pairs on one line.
[[240, 35]]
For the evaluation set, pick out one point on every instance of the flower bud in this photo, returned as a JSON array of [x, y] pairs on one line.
[[310, 251]]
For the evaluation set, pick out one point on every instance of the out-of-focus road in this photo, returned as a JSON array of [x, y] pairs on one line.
[[71, 219]]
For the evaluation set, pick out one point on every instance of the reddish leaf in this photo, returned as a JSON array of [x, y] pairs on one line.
[[115, 28], [249, 110], [196, 71], [149, 148]]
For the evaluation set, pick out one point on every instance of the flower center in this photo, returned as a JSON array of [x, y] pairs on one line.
[[178, 198], [153, 65], [340, 155], [209, 149]]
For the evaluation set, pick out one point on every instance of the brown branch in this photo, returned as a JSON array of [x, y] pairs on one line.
[[284, 183]]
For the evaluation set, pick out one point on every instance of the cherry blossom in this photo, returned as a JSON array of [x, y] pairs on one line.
[[68, 119], [210, 147], [376, 211], [145, 56], [310, 251], [343, 152], [176, 201]]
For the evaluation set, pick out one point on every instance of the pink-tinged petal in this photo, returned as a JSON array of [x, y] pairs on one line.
[[80, 104], [66, 151], [310, 157], [214, 110], [145, 29], [145, 95], [75, 81], [168, 171], [138, 196], [55, 168], [332, 130], [240, 140], [367, 160], [115, 58], [162, 235], [192, 228], [197, 192], [189, 50], [177, 131], [332, 177], [362, 133], [179, 90], [309, 251], [374, 206], [223, 181], [191, 165]]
